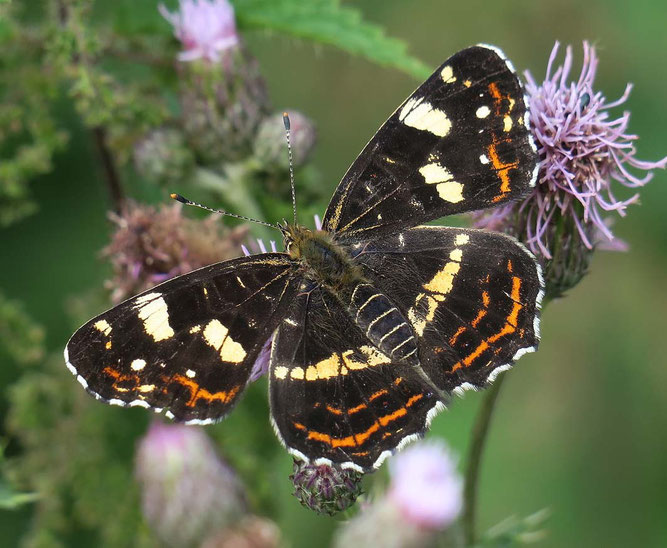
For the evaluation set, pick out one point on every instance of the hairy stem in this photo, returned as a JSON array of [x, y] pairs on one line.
[[109, 168], [479, 434]]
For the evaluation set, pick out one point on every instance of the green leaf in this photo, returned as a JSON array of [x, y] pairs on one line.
[[515, 531], [10, 499], [327, 22]]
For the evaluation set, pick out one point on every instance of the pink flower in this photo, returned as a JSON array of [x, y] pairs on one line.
[[206, 28], [188, 493], [425, 485], [583, 149]]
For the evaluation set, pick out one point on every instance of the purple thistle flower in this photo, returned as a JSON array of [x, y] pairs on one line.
[[425, 485], [188, 493], [582, 151], [150, 245], [206, 28], [424, 497]]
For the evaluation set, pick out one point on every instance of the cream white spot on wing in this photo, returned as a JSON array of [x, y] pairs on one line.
[[483, 159], [448, 189], [297, 373], [507, 123], [483, 112], [443, 281], [451, 192], [195, 329], [217, 336], [146, 388], [435, 173], [426, 304], [421, 115], [280, 372], [138, 365], [155, 315], [447, 74], [462, 239], [103, 326], [190, 373]]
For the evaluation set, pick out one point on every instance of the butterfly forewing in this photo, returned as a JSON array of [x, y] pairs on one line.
[[459, 143], [472, 298], [334, 396], [188, 345]]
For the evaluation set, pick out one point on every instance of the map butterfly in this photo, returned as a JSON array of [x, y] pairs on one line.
[[375, 321]]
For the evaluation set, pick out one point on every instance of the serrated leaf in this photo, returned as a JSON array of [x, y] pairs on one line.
[[327, 22]]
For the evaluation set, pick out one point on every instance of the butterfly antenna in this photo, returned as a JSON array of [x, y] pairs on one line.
[[185, 201], [291, 165]]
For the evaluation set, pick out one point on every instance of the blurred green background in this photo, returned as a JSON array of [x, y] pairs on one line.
[[581, 426]]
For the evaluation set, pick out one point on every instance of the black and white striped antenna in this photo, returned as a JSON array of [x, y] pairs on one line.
[[185, 201], [291, 165]]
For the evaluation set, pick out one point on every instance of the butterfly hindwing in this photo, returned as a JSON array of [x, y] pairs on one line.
[[459, 143], [334, 396], [472, 298], [188, 345]]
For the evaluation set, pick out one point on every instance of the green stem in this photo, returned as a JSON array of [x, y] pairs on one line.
[[232, 187], [479, 434]]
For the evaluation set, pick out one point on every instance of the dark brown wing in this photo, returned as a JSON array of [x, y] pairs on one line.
[[337, 398], [459, 143], [188, 345], [472, 298]]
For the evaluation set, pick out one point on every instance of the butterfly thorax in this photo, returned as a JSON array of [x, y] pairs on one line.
[[323, 260], [329, 264]]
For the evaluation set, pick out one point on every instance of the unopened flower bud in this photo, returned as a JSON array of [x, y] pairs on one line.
[[188, 494], [270, 148], [162, 156], [326, 489]]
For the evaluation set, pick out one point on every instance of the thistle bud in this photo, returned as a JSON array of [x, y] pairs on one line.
[[188, 493], [326, 489], [223, 96], [270, 149], [162, 156]]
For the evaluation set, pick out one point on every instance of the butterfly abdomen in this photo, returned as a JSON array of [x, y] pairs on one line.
[[382, 322], [330, 265]]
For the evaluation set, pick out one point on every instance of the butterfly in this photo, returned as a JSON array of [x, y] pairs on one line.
[[376, 319]]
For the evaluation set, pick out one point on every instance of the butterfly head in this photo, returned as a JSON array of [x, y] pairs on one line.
[[294, 238]]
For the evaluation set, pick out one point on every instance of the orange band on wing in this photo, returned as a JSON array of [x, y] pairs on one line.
[[198, 393], [356, 440], [510, 326], [501, 168]]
